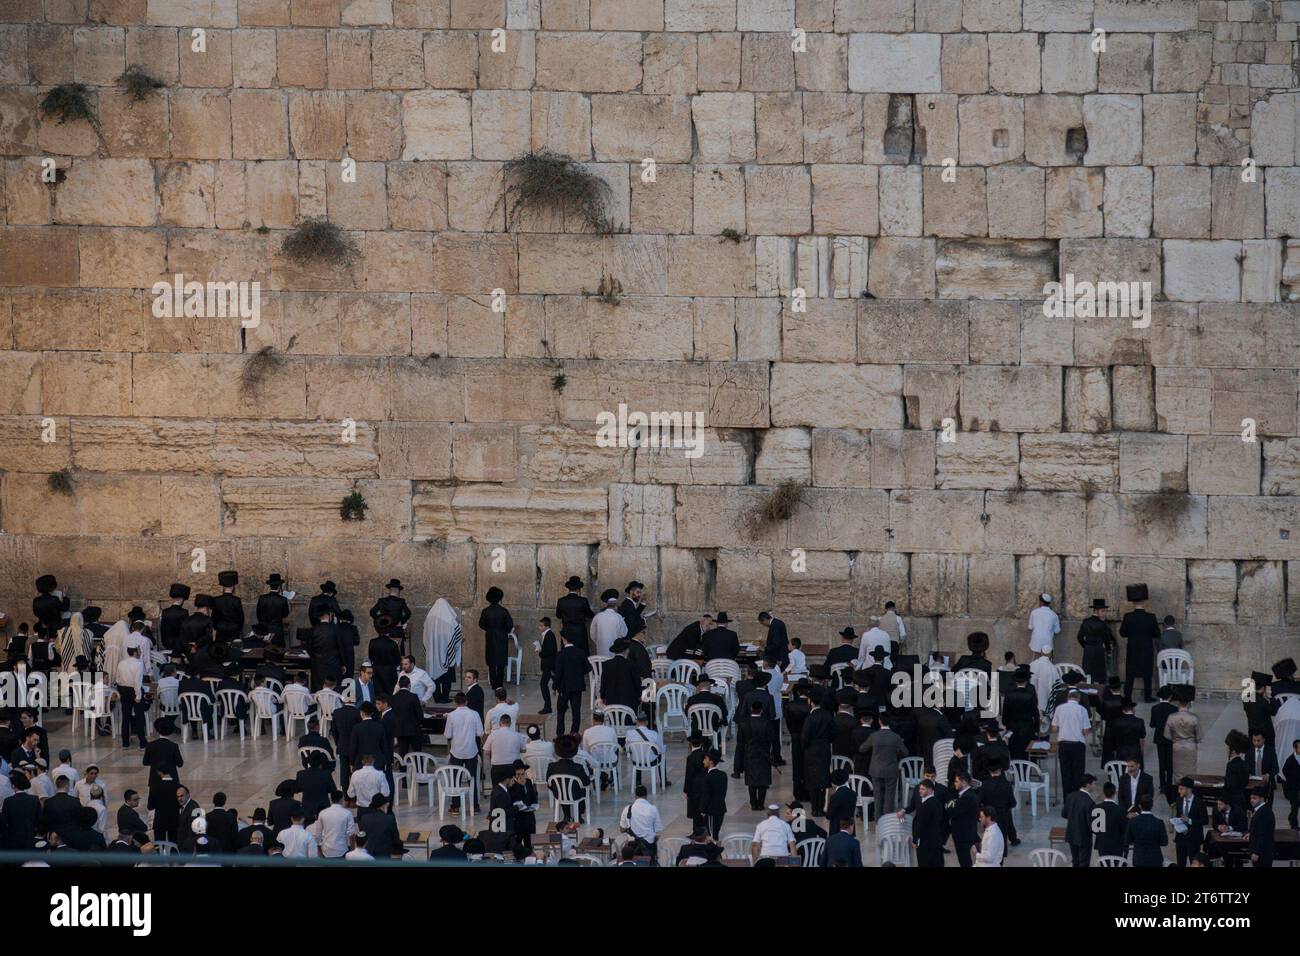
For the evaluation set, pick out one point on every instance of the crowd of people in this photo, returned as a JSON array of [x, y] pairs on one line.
[[852, 729]]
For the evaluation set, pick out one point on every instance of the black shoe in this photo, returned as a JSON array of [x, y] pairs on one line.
[[735, 776], [545, 710]]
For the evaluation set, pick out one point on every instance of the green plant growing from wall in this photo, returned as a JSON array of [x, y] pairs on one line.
[[140, 83], [353, 507], [69, 103]]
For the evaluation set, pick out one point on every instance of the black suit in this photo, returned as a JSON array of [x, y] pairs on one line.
[[693, 785], [129, 821], [575, 614], [714, 803], [386, 656], [571, 670], [1143, 633], [328, 651], [630, 611], [619, 683], [169, 626], [223, 826], [496, 624], [319, 605], [1188, 844], [1020, 716], [474, 699], [546, 657], [227, 617], [371, 737], [1261, 834], [60, 812], [1130, 730], [1077, 810], [1160, 712], [963, 822], [842, 805], [382, 838], [163, 758], [1113, 838], [342, 722], [1147, 835], [721, 642], [272, 609], [18, 820], [929, 832], [407, 715], [1128, 796], [1265, 767], [778, 642], [687, 639]]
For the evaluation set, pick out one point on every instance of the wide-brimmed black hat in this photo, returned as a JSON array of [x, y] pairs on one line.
[[1284, 668], [1187, 782], [494, 594], [761, 679], [451, 833], [275, 581], [878, 653], [1022, 673], [1169, 620], [329, 587], [574, 583], [179, 590], [721, 618], [619, 646], [1237, 741], [1260, 679], [394, 583], [715, 755], [1099, 604], [609, 594], [91, 613], [203, 600], [1183, 693], [566, 747], [46, 583], [848, 633], [1136, 592], [227, 579]]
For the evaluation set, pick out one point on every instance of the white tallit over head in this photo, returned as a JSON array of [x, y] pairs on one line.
[[1286, 728], [442, 639]]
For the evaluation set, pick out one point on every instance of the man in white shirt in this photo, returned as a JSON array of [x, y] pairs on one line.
[[41, 784], [464, 733], [502, 706], [91, 779], [421, 682], [892, 624], [993, 846], [360, 853], [598, 733], [502, 748], [138, 640], [773, 837], [641, 819], [333, 826], [65, 769], [1070, 729], [130, 690], [1044, 625], [297, 842], [367, 781], [798, 666], [607, 627], [875, 637], [644, 733]]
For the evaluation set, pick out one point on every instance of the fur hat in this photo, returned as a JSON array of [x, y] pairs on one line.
[[179, 590], [1136, 593], [1284, 668], [494, 594], [46, 583], [227, 579]]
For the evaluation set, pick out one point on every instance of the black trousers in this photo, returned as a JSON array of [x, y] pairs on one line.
[[1081, 854], [406, 744], [568, 699], [776, 742], [929, 856], [546, 688], [1021, 734], [715, 824], [1141, 673], [1073, 756], [1165, 755], [964, 857], [497, 675], [1294, 799], [132, 716], [345, 771], [1185, 848], [442, 686], [757, 795]]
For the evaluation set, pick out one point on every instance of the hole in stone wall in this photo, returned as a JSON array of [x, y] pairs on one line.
[[1076, 143], [1001, 138], [899, 127]]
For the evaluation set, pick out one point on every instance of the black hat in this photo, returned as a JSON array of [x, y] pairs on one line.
[[1237, 741], [848, 633], [1284, 668], [259, 814], [345, 615], [203, 600], [329, 587], [227, 579], [165, 725], [619, 646], [1187, 782], [715, 755], [1183, 693], [846, 695], [695, 738], [574, 583], [1136, 592], [1260, 679], [1169, 620], [275, 581], [721, 618], [494, 594], [978, 642], [46, 583], [90, 613], [135, 614], [1071, 678], [1022, 673], [879, 653], [219, 651], [566, 747], [609, 594], [1114, 682], [761, 679], [178, 590], [1099, 604], [394, 583], [451, 833]]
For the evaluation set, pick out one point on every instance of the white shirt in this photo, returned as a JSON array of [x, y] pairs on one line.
[[360, 853], [504, 746], [773, 837], [297, 842], [365, 783], [1044, 625], [638, 734], [83, 790], [1042, 675], [332, 828], [870, 641], [101, 816], [774, 688], [540, 748], [421, 683], [992, 847], [43, 786], [598, 734], [641, 818], [463, 730], [130, 673], [798, 666], [1071, 722], [493, 719], [607, 627], [66, 770]]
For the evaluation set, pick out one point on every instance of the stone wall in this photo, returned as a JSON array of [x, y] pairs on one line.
[[919, 168]]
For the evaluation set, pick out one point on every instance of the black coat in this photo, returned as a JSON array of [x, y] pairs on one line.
[[930, 824], [963, 812], [61, 811], [271, 610], [693, 780], [169, 626], [1236, 781], [386, 656], [687, 639], [227, 617], [631, 613], [574, 613], [714, 800], [48, 610], [720, 642], [328, 650], [223, 826], [758, 750], [18, 819], [549, 650], [619, 683], [571, 670], [1197, 820], [407, 714], [842, 805], [319, 604], [1125, 791], [1130, 730], [163, 757], [393, 607], [474, 699], [1139, 626], [197, 630], [129, 821], [1077, 810], [495, 623], [778, 642], [314, 786], [818, 735], [342, 721], [1262, 834], [1113, 837], [382, 838], [1147, 835], [370, 737]]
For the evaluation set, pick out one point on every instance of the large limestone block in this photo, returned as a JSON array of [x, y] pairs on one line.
[[729, 394], [1213, 587], [100, 504], [1254, 528], [589, 62], [1087, 400], [1160, 16], [144, 444], [483, 452], [947, 521], [784, 454], [902, 458], [1262, 395], [557, 516], [641, 515], [555, 453], [1202, 270], [822, 333], [108, 192], [436, 124], [637, 328], [1282, 467], [895, 63], [1183, 397], [1222, 465], [63, 384], [879, 577], [631, 128], [617, 565], [844, 396], [1152, 462], [431, 570], [821, 582], [23, 446], [1114, 124], [1026, 399], [931, 394], [903, 268], [1037, 574], [978, 460], [309, 508], [1053, 523], [744, 581], [993, 269], [418, 450], [912, 331], [938, 584], [1070, 462], [1261, 593], [1169, 524], [846, 519], [715, 518], [841, 458]]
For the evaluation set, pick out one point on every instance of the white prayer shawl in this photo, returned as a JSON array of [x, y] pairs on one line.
[[442, 639], [74, 641], [607, 627], [1286, 728], [116, 638], [1042, 674]]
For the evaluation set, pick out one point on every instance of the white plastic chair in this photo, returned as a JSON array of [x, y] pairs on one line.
[[889, 825], [192, 703], [811, 851], [707, 719], [736, 846], [645, 760], [327, 701], [1046, 857], [228, 702], [81, 692], [597, 662], [420, 769], [838, 762], [659, 668], [1031, 779], [608, 759], [454, 782], [725, 672], [264, 705], [567, 791], [272, 684], [1114, 770], [837, 673], [297, 703], [164, 847], [684, 671], [895, 849], [1065, 667], [514, 660], [941, 756], [169, 704], [866, 796], [620, 717], [1174, 666], [101, 703], [1111, 862], [670, 706], [909, 774], [669, 847]]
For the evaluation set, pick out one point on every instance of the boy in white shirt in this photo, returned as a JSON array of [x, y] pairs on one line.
[[798, 666]]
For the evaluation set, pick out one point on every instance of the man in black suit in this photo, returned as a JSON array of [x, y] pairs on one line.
[[342, 722], [370, 736], [689, 638], [962, 813], [20, 814], [693, 779], [314, 738], [1291, 783], [842, 804], [473, 692], [326, 602], [721, 641], [778, 640], [571, 670], [164, 760], [1147, 835], [1142, 631], [1019, 714], [129, 821], [28, 750], [1190, 809], [272, 609], [575, 614], [845, 653], [929, 826], [1130, 731], [380, 828], [704, 695], [618, 682], [1077, 810], [1261, 829], [62, 809], [843, 848], [1111, 839], [548, 650], [407, 715], [223, 825], [1160, 712], [328, 650], [1133, 784], [172, 616], [1262, 761], [713, 805], [632, 608]]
